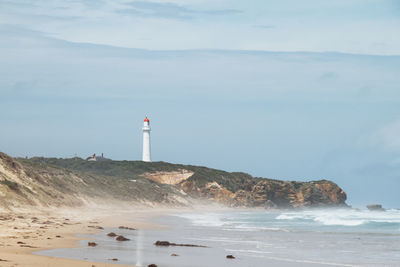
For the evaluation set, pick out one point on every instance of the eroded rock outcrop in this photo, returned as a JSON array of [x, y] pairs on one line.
[[272, 193], [169, 177]]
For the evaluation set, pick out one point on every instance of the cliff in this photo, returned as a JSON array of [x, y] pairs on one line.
[[75, 182]]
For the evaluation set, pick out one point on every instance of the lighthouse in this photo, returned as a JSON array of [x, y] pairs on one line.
[[146, 140]]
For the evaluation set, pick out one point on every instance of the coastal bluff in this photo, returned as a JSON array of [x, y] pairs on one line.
[[71, 182]]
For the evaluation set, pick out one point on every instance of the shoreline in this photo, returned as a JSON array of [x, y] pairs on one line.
[[212, 238], [25, 234], [24, 231]]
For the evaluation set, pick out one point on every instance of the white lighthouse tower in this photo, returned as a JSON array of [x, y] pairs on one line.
[[146, 140]]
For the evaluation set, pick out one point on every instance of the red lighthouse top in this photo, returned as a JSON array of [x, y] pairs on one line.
[[146, 119]]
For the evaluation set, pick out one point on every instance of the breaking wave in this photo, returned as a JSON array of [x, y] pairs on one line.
[[344, 217], [305, 220]]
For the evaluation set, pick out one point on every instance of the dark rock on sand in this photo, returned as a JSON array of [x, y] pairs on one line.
[[167, 244], [112, 234], [122, 238], [162, 243], [375, 207], [92, 244], [126, 228], [230, 257], [96, 227], [152, 265]]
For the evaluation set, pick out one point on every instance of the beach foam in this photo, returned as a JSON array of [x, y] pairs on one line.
[[343, 217]]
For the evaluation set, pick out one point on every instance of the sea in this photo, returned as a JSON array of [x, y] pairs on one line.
[[315, 237]]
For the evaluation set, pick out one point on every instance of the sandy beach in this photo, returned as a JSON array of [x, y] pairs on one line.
[[25, 231], [254, 237]]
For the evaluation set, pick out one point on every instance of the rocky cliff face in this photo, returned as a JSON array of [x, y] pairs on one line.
[[172, 177], [74, 182], [271, 193]]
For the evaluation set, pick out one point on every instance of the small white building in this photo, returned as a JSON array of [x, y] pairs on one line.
[[96, 158]]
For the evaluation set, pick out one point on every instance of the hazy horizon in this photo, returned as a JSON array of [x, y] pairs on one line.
[[288, 90]]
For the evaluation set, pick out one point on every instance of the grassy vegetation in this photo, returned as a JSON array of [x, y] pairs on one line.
[[134, 169], [106, 167]]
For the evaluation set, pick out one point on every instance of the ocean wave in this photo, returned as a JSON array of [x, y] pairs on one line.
[[337, 221], [259, 228], [204, 219], [306, 220], [290, 217], [343, 217]]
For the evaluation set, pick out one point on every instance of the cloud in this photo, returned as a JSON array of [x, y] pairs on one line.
[[49, 86], [162, 10], [170, 10]]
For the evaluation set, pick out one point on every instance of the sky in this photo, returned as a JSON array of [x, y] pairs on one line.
[[293, 90]]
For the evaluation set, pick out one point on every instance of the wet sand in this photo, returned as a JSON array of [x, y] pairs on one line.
[[25, 231], [140, 250]]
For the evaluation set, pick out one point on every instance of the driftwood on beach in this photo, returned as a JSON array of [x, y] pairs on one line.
[[167, 244]]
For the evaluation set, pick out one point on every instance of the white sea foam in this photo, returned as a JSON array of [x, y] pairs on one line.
[[335, 221], [227, 240], [363, 220], [343, 217], [244, 227], [204, 219], [286, 216], [313, 262], [267, 253], [248, 251]]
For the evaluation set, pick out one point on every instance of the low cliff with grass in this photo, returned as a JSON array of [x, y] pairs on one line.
[[76, 182]]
